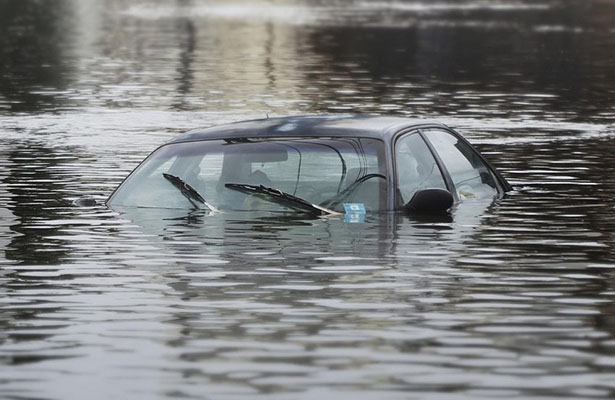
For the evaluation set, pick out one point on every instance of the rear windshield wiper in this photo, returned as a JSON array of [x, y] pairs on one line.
[[188, 191], [280, 197]]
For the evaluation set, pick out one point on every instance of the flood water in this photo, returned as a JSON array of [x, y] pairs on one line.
[[507, 300]]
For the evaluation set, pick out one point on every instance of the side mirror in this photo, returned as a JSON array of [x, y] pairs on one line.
[[430, 201]]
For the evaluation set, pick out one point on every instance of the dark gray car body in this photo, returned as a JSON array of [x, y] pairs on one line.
[[385, 128]]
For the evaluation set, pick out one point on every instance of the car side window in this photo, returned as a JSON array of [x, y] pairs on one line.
[[471, 176], [416, 167]]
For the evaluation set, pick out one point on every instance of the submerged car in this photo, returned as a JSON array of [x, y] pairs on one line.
[[316, 164]]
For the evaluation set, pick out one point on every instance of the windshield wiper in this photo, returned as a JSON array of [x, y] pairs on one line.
[[280, 197], [338, 198], [188, 191]]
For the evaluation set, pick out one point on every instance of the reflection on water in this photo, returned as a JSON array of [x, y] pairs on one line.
[[511, 299]]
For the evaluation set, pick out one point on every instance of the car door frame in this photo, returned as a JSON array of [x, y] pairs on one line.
[[502, 185]]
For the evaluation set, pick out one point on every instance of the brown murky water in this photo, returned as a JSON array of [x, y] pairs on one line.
[[506, 300]]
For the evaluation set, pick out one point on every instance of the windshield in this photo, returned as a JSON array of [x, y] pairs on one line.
[[331, 172]]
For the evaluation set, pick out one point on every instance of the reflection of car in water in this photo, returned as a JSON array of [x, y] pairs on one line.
[[317, 164]]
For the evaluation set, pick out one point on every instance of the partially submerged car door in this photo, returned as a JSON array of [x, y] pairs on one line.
[[416, 167], [470, 174], [435, 158]]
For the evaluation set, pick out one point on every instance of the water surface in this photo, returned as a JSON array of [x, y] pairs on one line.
[[504, 300]]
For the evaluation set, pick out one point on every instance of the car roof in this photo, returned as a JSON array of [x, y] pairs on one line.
[[352, 125]]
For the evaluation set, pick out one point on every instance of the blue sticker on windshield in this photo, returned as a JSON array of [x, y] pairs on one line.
[[355, 212], [354, 208]]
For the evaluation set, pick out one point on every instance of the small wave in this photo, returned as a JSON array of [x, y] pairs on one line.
[[304, 14], [558, 29], [294, 14], [106, 130], [501, 130], [426, 7]]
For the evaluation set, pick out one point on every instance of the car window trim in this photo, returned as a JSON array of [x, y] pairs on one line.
[[448, 181], [503, 185]]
